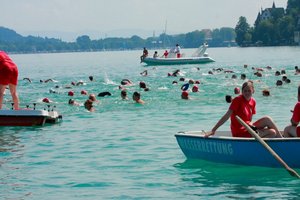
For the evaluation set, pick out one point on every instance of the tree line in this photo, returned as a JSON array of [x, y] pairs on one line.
[[13, 42], [279, 28]]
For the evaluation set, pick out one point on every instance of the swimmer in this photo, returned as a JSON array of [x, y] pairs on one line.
[[88, 104], [73, 102], [28, 79], [92, 97], [137, 98], [237, 90], [71, 93], [126, 82], [195, 88], [142, 85], [185, 95], [228, 98], [266, 92], [103, 94], [124, 95], [185, 86]]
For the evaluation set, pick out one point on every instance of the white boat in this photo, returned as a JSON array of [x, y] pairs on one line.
[[199, 57], [28, 117]]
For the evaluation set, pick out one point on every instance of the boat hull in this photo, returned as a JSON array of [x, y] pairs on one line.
[[178, 61], [27, 117], [240, 151]]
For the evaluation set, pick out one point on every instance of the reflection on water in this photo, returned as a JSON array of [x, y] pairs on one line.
[[238, 181], [9, 140]]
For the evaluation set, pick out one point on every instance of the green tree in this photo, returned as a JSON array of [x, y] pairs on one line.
[[243, 32]]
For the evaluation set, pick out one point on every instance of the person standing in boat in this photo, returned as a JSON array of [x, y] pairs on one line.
[[177, 51], [244, 107], [145, 54], [293, 130], [8, 76]]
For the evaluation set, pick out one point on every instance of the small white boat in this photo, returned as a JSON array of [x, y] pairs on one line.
[[28, 117], [199, 57]]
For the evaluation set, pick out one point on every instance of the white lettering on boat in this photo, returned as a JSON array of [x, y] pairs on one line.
[[217, 147]]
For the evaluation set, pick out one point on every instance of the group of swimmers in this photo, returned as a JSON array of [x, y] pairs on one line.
[[243, 105]]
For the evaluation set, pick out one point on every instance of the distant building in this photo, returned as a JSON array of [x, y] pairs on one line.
[[269, 13]]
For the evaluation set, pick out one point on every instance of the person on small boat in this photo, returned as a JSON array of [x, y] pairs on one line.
[[165, 55], [155, 55], [8, 77], [244, 106], [293, 130], [145, 54], [177, 51], [137, 98]]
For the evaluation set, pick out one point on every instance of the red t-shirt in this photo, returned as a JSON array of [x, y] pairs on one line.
[[296, 116], [8, 70], [244, 109]]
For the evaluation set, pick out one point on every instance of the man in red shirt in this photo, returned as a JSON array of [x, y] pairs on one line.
[[293, 130], [8, 76], [244, 107]]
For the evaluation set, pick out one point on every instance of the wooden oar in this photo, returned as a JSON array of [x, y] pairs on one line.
[[266, 146]]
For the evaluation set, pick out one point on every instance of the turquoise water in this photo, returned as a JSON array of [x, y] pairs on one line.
[[128, 151]]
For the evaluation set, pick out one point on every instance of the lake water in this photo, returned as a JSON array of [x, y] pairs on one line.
[[128, 151]]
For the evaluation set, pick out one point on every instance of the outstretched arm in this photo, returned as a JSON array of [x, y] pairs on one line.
[[220, 122]]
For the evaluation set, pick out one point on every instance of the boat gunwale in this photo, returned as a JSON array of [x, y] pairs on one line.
[[199, 134]]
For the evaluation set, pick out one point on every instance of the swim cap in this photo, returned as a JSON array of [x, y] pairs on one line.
[[185, 86], [46, 100], [185, 94], [142, 84], [83, 92], [71, 93], [237, 90], [195, 88]]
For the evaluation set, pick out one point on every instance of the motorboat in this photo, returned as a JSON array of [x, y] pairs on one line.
[[223, 148], [28, 117], [198, 57]]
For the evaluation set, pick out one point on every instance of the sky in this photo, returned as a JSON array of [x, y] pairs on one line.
[[68, 19]]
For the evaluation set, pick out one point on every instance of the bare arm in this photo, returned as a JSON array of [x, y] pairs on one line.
[[220, 122], [294, 123]]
